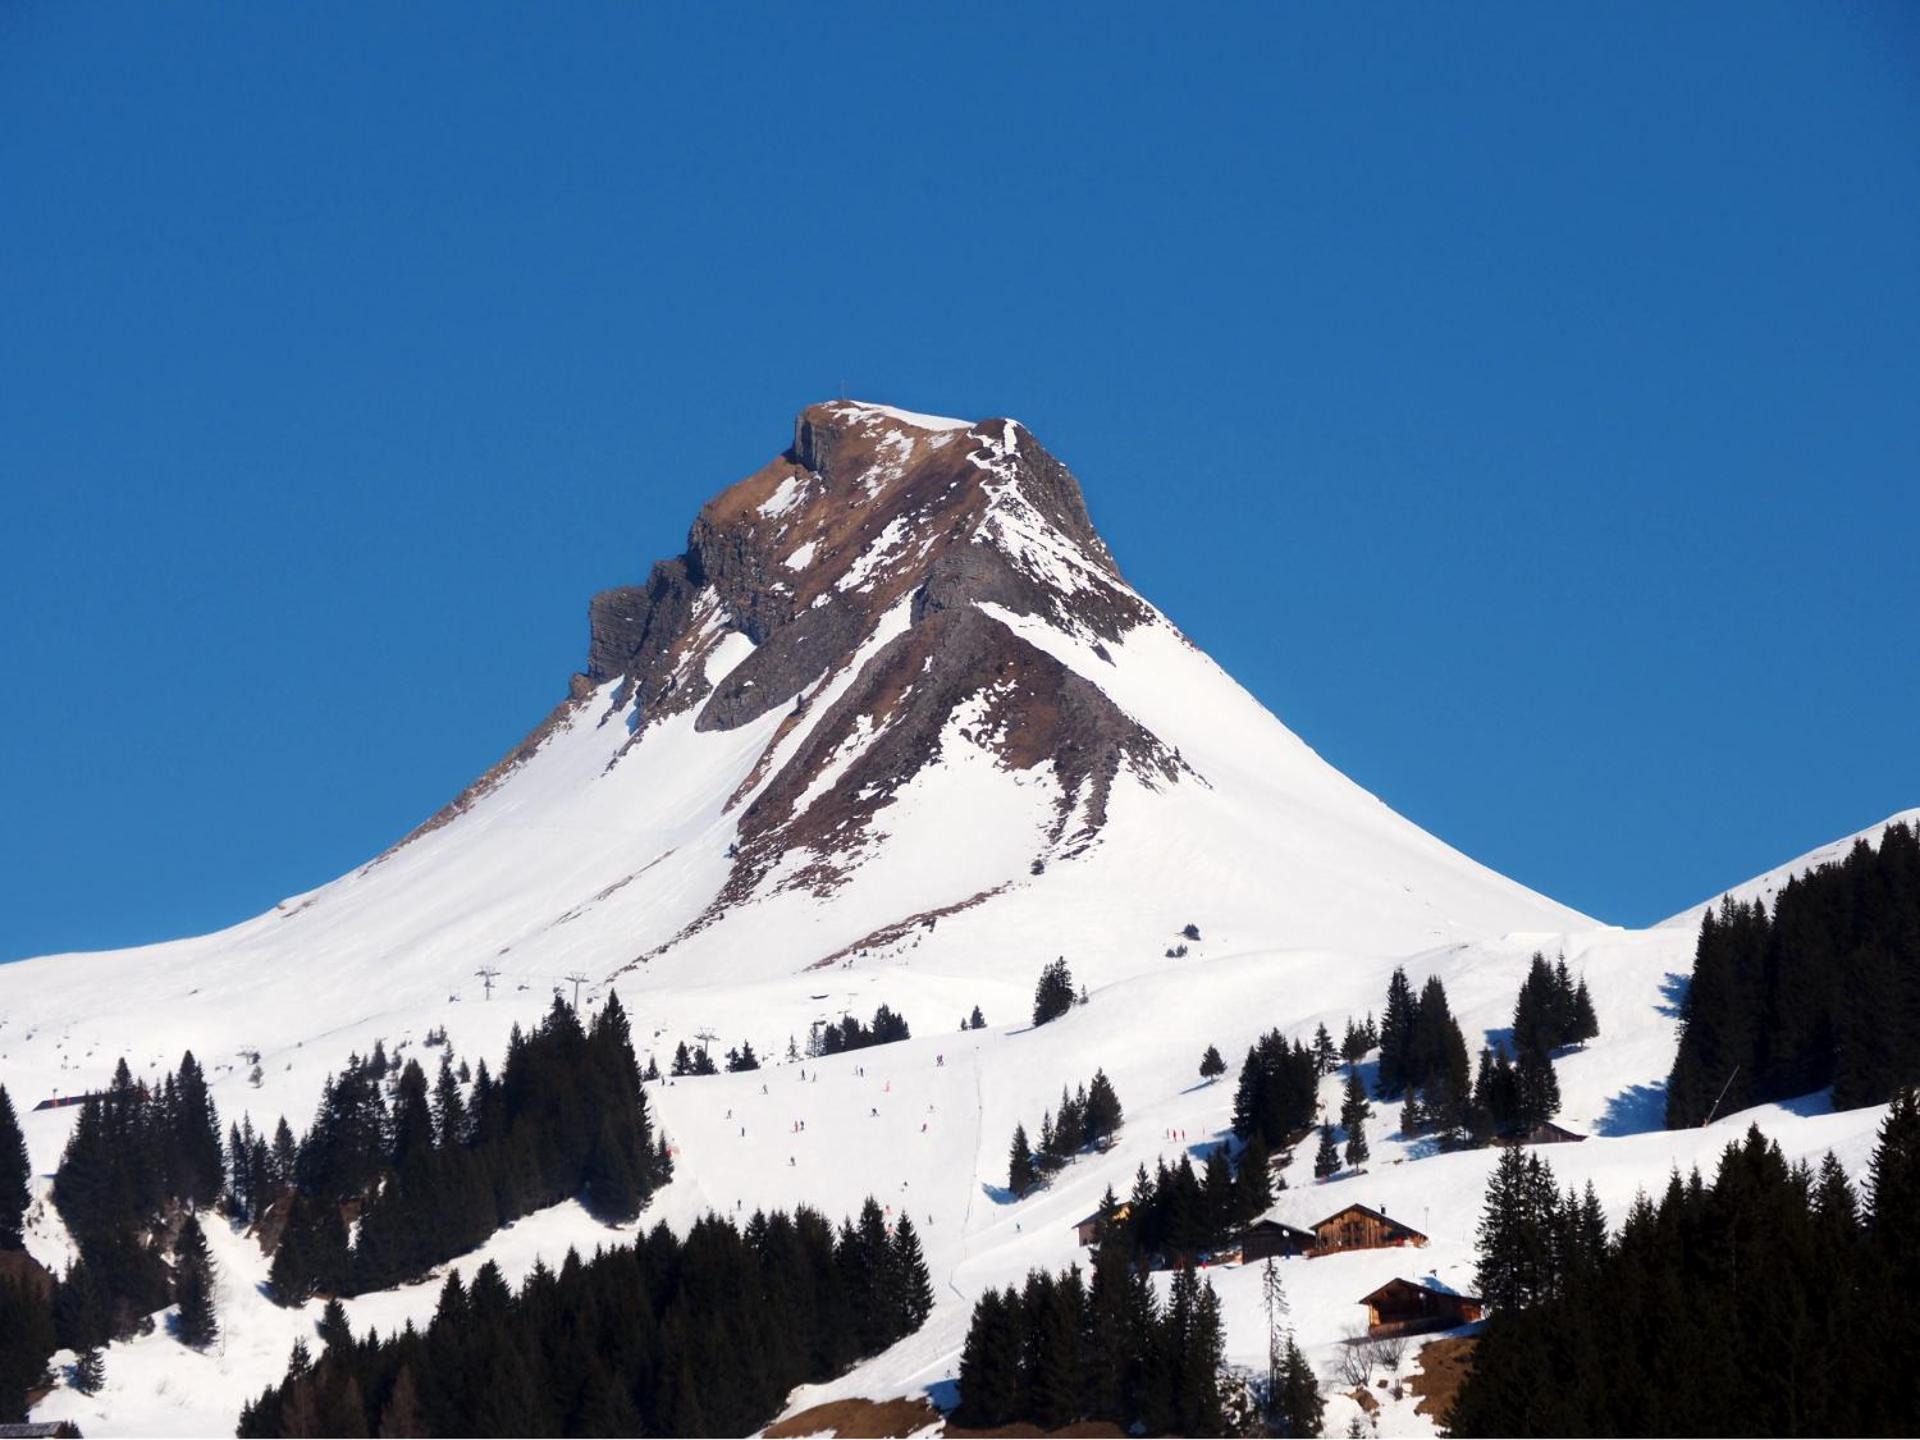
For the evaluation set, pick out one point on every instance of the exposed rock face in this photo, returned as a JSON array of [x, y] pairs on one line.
[[872, 514], [804, 555]]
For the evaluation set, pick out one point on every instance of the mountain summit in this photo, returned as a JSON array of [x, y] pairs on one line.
[[921, 659], [866, 567]]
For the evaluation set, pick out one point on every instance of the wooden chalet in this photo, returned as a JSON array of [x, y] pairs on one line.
[[1404, 1307], [1359, 1227], [1545, 1133], [1095, 1225], [1269, 1237]]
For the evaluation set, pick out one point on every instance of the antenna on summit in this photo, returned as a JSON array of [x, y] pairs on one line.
[[486, 974]]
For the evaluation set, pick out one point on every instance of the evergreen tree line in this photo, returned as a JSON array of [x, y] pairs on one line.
[[1278, 1093], [1176, 1213], [137, 1158], [1535, 1243], [1088, 1118], [1770, 1302], [850, 1034], [705, 1336], [1824, 991], [1553, 1009], [433, 1173], [1423, 1056], [1359, 1041], [1511, 1097], [1062, 1350], [690, 1062]]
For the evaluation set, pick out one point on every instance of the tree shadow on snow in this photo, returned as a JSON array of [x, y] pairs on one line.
[[1820, 1102], [1499, 1040], [999, 1194], [944, 1395], [1199, 1150], [1673, 990], [1637, 1110], [1420, 1147]]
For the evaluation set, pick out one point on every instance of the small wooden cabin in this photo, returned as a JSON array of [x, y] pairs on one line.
[[1403, 1307], [1095, 1225], [1359, 1227], [1545, 1133], [1269, 1237]]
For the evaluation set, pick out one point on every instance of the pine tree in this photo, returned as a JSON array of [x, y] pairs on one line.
[[1354, 1112], [285, 1154], [1356, 1151], [912, 1288], [1020, 1171], [1353, 1049], [193, 1286], [195, 1172], [1054, 995], [412, 1120], [1325, 1057], [976, 1021], [1217, 1197], [335, 1333], [1253, 1185], [1541, 1014], [449, 1106], [1396, 1035], [1586, 1025], [1302, 1411], [1101, 1114], [1327, 1160], [1517, 1264], [15, 1172], [990, 1362], [1211, 1065], [89, 1372], [1537, 1090]]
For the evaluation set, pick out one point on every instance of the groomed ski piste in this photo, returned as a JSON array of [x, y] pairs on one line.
[[601, 855]]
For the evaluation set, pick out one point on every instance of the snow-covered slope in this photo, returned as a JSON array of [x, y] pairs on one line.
[[893, 729], [1766, 887]]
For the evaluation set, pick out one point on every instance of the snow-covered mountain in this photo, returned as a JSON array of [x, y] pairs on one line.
[[893, 728]]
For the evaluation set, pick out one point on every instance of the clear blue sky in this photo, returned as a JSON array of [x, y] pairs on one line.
[[1523, 402]]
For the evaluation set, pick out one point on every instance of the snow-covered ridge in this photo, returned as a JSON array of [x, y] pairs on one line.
[[864, 408], [1766, 887]]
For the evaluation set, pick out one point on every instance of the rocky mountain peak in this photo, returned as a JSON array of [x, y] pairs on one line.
[[869, 506], [874, 565]]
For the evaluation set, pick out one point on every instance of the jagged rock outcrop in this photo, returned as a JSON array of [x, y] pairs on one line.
[[872, 514]]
